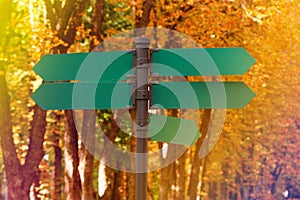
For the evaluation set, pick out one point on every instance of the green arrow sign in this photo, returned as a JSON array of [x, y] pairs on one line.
[[88, 67], [72, 96], [172, 95], [85, 67], [173, 130], [201, 61]]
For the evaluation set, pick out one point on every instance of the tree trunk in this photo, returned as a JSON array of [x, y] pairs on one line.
[[58, 171], [110, 175], [89, 117], [144, 19], [5, 9], [173, 181], [19, 177], [87, 158], [212, 190], [131, 184], [181, 177], [13, 168], [167, 175], [194, 177], [72, 178], [165, 181], [66, 23], [204, 185], [110, 137], [224, 182], [117, 188], [97, 21]]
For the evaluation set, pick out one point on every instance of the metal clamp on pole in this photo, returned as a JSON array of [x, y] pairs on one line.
[[142, 105]]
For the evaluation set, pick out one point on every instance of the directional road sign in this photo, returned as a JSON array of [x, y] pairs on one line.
[[85, 67], [172, 95], [201, 61], [173, 130], [72, 96]]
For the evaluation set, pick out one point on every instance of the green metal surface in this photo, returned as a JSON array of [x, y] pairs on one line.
[[173, 130], [201, 61], [72, 96], [85, 67], [171, 95]]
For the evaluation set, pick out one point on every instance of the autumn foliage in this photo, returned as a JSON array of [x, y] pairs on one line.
[[257, 155]]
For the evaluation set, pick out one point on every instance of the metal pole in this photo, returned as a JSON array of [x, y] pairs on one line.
[[141, 105]]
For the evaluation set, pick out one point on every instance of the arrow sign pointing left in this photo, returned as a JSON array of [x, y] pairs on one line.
[[72, 96], [85, 67]]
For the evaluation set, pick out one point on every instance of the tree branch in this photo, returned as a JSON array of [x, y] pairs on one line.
[[248, 14], [144, 20], [97, 21], [50, 14], [76, 20], [57, 5], [68, 10]]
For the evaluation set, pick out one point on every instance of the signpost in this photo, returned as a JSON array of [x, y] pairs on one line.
[[141, 105], [96, 80]]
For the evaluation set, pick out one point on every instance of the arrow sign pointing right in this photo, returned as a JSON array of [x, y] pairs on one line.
[[173, 130], [173, 95], [201, 61]]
